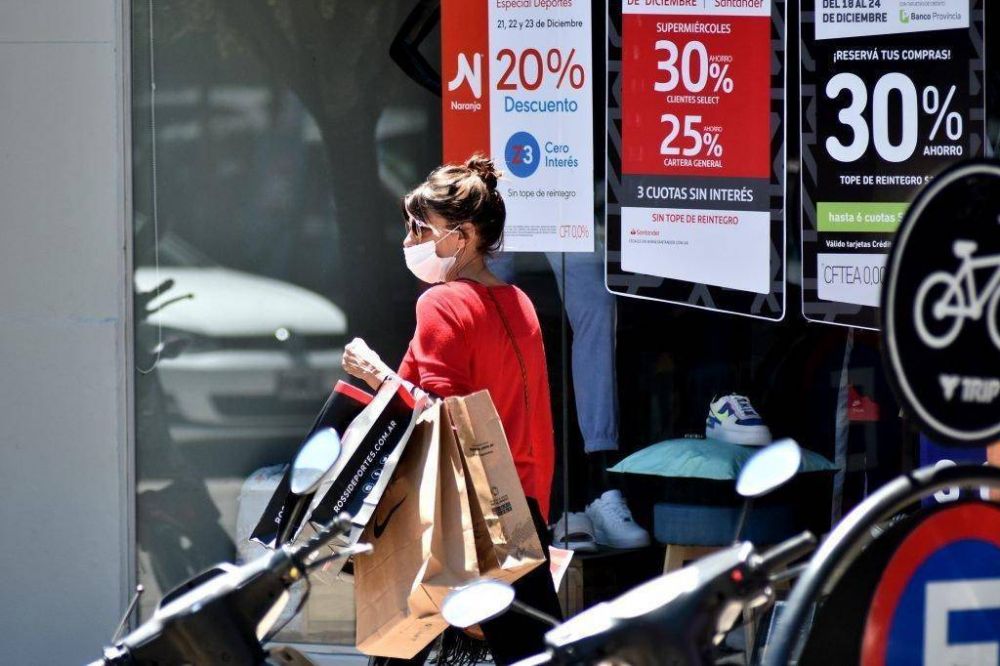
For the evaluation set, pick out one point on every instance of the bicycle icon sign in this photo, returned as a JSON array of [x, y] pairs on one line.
[[943, 279], [944, 301]]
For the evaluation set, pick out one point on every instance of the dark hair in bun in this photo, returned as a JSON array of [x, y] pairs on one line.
[[463, 193], [484, 168]]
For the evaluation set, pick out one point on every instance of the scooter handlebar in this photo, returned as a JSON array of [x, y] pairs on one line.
[[787, 552]]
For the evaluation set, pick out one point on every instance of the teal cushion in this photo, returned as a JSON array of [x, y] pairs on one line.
[[703, 459]]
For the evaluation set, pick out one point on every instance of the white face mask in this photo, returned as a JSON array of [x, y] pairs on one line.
[[423, 261]]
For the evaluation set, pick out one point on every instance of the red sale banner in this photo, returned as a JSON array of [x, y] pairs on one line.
[[465, 108], [697, 96]]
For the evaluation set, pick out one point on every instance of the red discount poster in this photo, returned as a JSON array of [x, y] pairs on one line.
[[701, 153]]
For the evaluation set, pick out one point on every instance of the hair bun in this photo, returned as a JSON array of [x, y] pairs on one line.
[[484, 167]]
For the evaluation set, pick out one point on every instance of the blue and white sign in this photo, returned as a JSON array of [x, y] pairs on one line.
[[938, 601]]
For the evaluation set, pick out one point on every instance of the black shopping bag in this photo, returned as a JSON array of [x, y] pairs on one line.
[[344, 404], [370, 450]]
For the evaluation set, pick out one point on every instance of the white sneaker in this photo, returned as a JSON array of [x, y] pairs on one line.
[[613, 524], [574, 531], [733, 419]]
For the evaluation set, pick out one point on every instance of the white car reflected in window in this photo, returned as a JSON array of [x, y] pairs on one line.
[[261, 354]]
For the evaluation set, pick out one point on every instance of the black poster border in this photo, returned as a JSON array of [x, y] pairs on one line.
[[771, 306], [834, 313]]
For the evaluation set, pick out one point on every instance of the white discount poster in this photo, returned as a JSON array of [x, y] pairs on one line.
[[516, 85]]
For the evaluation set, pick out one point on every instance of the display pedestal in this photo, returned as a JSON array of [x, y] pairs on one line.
[[678, 556], [606, 574]]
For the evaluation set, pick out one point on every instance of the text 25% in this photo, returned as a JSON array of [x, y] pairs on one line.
[[700, 141]]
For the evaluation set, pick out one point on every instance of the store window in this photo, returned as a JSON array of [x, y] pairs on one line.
[[271, 144], [820, 384]]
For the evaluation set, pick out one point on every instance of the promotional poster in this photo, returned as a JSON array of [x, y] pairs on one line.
[[696, 154], [892, 93], [517, 86]]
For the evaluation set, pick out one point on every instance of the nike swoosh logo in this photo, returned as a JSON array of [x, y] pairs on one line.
[[380, 527]]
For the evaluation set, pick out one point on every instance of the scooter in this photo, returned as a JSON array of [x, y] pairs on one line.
[[851, 536], [675, 619], [226, 614]]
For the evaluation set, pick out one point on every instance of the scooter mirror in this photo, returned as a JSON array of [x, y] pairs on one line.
[[316, 457], [769, 468], [477, 602]]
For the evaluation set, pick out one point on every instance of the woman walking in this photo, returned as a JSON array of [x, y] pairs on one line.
[[476, 332]]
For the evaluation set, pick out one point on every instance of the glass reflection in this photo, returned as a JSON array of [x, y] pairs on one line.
[[270, 144]]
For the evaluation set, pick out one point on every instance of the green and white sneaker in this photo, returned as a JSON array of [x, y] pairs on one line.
[[733, 419]]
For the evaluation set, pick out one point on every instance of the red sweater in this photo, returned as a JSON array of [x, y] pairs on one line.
[[461, 346]]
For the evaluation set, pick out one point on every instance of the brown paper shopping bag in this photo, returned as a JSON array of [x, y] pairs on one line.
[[507, 545], [424, 545]]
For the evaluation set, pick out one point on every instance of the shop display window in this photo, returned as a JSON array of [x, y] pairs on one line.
[[271, 143]]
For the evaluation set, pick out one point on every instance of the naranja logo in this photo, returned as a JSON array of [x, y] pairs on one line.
[[469, 73]]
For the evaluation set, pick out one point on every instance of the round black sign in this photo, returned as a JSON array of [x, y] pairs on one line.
[[941, 307]]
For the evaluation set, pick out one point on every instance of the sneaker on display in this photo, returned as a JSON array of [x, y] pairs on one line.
[[733, 419], [574, 531], [613, 524]]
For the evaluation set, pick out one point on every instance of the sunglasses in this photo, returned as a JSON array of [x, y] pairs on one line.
[[416, 227]]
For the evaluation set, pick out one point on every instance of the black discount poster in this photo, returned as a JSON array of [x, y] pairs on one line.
[[696, 153], [892, 94]]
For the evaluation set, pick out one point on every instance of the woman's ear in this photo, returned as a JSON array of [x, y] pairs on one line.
[[468, 232]]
